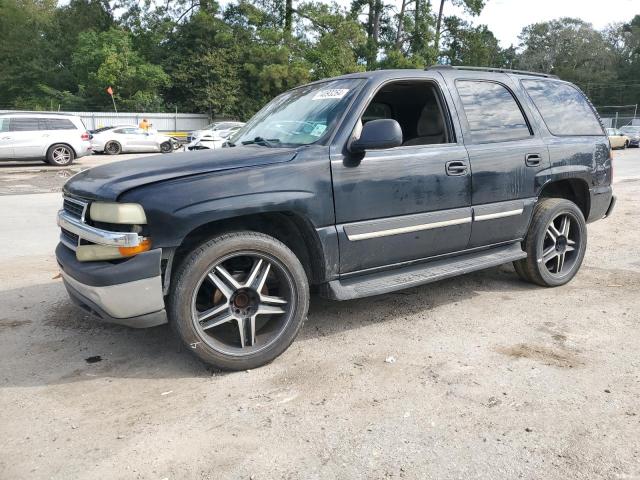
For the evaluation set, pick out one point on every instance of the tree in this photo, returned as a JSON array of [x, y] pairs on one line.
[[471, 45], [108, 58], [472, 7], [571, 49]]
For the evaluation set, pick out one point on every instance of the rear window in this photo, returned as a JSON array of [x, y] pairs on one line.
[[563, 108], [492, 113], [24, 124]]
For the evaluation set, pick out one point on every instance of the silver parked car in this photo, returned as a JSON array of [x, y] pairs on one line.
[[56, 138], [129, 138], [216, 130]]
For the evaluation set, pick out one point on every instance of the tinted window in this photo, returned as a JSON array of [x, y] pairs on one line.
[[24, 124], [4, 124], [492, 112], [564, 108], [59, 124]]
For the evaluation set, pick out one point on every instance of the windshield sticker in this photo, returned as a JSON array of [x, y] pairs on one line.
[[318, 130], [336, 93]]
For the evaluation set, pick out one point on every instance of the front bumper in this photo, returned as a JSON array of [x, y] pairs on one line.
[[128, 292]]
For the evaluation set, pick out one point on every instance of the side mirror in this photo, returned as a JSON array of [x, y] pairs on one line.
[[377, 135]]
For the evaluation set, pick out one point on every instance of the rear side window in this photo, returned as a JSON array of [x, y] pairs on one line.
[[24, 124], [492, 113], [4, 124], [563, 108], [58, 124]]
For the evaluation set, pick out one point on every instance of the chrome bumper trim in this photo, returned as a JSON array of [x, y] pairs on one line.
[[96, 235]]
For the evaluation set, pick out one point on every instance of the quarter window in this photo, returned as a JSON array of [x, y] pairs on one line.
[[59, 124], [4, 124], [24, 124], [563, 108], [492, 113]]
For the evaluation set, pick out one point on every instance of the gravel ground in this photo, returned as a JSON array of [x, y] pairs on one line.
[[482, 376]]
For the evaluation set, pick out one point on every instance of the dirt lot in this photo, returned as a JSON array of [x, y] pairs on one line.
[[492, 378]]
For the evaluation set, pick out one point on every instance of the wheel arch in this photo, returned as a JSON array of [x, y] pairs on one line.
[[292, 229], [575, 190]]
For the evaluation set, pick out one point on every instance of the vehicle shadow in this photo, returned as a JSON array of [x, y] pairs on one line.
[[54, 342]]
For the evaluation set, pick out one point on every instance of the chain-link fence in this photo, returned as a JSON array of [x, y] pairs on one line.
[[616, 116]]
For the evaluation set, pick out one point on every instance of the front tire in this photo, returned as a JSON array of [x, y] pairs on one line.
[[166, 147], [60, 155], [239, 300], [555, 244]]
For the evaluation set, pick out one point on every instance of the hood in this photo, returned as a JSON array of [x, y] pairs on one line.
[[108, 182]]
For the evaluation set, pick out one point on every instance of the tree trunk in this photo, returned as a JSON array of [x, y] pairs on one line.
[[288, 19], [398, 42], [438, 26]]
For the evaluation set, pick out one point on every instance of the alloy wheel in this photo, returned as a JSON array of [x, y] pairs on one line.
[[61, 155], [560, 245], [243, 303]]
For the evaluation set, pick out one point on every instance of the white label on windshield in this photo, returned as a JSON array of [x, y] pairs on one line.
[[318, 130], [330, 94]]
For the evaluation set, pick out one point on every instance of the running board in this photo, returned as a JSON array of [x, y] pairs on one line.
[[414, 275]]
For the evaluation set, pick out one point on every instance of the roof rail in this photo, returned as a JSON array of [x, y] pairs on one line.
[[491, 69], [34, 112]]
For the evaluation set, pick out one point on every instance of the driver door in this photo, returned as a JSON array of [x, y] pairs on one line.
[[401, 204]]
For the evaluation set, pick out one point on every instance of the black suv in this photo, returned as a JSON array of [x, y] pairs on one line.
[[357, 185]]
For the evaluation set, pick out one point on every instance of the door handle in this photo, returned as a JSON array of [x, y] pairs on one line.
[[5, 138], [532, 159], [456, 168]]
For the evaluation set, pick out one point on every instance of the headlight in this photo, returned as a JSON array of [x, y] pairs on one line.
[[120, 213]]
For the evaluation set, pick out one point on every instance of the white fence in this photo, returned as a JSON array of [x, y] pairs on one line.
[[164, 122]]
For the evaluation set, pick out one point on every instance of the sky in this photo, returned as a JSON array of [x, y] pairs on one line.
[[506, 18]]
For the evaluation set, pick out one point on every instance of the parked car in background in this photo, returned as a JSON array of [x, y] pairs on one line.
[[129, 138], [211, 140], [617, 139], [358, 185], [99, 130], [56, 138], [633, 134], [217, 129]]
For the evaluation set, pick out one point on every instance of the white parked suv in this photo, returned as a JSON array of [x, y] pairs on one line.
[[56, 138]]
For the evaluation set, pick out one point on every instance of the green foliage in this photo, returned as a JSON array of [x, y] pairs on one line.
[[103, 59], [228, 61], [471, 45]]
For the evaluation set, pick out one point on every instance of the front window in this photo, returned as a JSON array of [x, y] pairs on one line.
[[301, 116]]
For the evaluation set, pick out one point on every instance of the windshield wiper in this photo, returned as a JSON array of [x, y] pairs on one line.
[[268, 142]]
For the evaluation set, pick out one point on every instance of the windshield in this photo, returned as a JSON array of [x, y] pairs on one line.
[[301, 116]]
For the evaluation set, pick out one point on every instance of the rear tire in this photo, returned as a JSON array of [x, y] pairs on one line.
[[555, 244], [60, 155], [239, 300], [113, 148]]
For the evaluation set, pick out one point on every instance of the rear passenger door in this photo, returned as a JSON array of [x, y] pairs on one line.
[[506, 154], [25, 137]]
